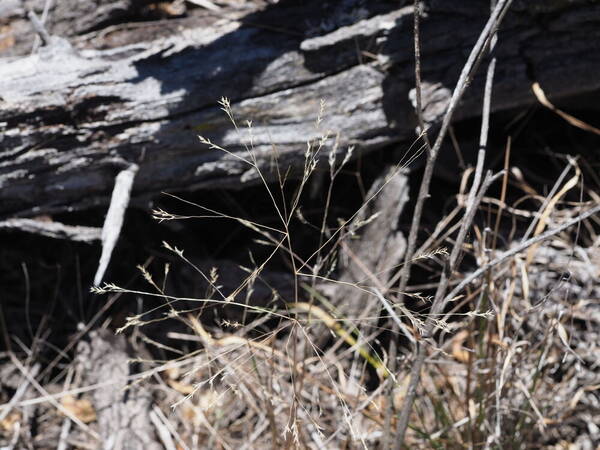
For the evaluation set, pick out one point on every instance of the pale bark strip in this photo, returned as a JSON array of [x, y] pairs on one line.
[[54, 230], [114, 218]]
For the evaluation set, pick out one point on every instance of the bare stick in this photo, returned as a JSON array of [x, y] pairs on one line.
[[21, 390], [56, 404], [488, 35], [39, 28], [161, 430], [487, 99], [547, 200], [409, 250], [519, 248], [36, 42], [66, 426], [418, 84], [475, 196], [464, 79]]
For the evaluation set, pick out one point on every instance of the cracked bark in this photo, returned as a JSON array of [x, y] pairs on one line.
[[369, 261], [71, 110], [122, 408]]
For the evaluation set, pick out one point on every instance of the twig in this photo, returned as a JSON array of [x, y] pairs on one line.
[[64, 434], [475, 196], [18, 394], [66, 426], [463, 81], [519, 248], [36, 42], [487, 98], [169, 426], [547, 200], [464, 78], [56, 404], [418, 84], [410, 249], [162, 431], [393, 315], [47, 397], [39, 28], [15, 436]]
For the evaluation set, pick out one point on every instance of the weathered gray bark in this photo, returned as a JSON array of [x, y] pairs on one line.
[[73, 113], [369, 262], [122, 409]]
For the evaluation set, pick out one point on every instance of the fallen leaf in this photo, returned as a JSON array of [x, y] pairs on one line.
[[182, 388], [80, 408], [7, 424], [458, 351]]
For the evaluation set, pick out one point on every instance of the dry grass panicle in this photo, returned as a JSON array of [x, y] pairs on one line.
[[511, 360]]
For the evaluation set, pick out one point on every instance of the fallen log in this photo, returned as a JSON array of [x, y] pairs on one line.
[[73, 113]]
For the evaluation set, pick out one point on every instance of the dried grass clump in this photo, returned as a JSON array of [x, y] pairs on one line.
[[509, 358], [500, 351], [251, 386], [520, 367]]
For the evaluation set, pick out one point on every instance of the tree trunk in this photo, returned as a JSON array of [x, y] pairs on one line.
[[78, 109]]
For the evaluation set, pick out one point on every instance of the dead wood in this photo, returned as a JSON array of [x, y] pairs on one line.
[[73, 112], [122, 409], [374, 248]]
